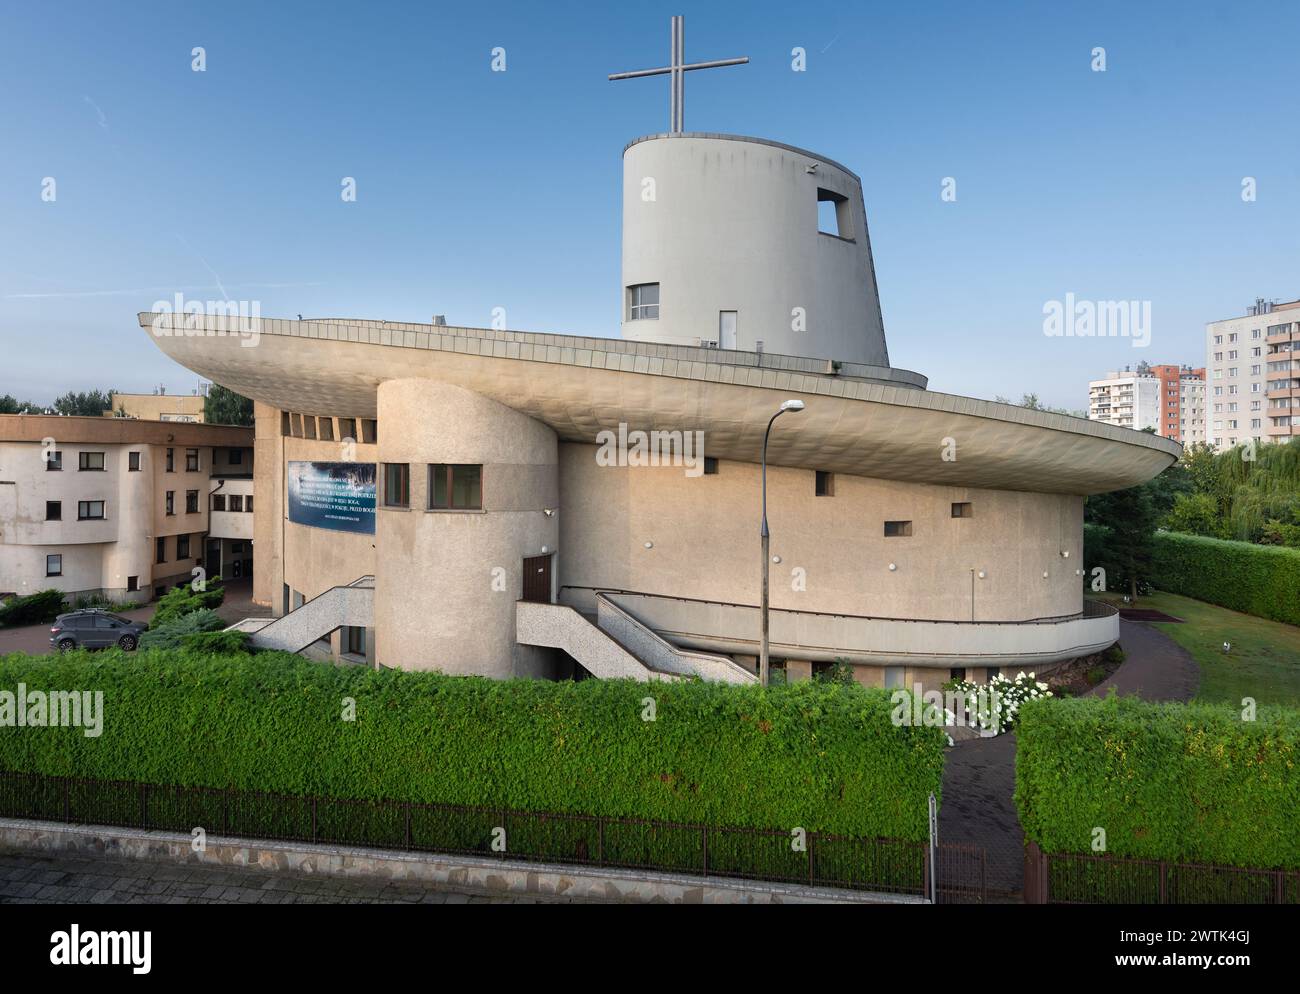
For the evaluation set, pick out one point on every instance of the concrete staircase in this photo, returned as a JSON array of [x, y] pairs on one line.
[[352, 605], [615, 644]]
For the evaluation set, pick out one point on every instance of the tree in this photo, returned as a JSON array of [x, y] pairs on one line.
[[1130, 519], [12, 405], [225, 407], [90, 404]]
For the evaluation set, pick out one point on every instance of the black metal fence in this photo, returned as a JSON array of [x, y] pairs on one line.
[[1080, 878], [884, 865]]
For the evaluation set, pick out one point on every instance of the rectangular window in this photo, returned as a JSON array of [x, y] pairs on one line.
[[825, 484], [237, 502], [833, 214], [218, 502], [957, 673], [369, 431], [710, 466], [397, 484], [160, 550], [963, 509], [171, 460], [348, 429], [898, 529], [191, 460], [284, 423], [191, 502], [53, 461], [295, 425], [991, 671], [90, 510], [326, 428], [53, 565], [182, 547], [455, 487], [54, 510], [132, 584], [169, 502], [308, 426], [133, 462], [643, 302], [236, 457], [248, 504], [90, 461]]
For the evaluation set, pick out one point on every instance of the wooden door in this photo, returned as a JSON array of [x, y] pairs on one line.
[[537, 579]]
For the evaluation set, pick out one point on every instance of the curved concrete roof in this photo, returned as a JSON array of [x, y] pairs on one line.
[[880, 426]]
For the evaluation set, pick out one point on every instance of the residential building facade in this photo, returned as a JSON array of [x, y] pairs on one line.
[[110, 507], [157, 407], [1253, 375]]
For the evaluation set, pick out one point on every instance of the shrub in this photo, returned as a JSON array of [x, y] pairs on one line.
[[173, 633], [32, 609], [1185, 782], [818, 756], [1262, 580], [995, 706], [182, 600], [218, 642]]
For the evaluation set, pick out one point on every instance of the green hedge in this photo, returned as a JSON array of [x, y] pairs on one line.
[[820, 756], [171, 634], [1263, 580], [32, 609], [1186, 782]]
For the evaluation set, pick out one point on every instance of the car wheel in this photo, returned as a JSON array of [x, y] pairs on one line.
[[67, 645], [127, 642]]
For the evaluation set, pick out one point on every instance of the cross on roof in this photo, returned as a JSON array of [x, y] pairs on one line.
[[677, 70]]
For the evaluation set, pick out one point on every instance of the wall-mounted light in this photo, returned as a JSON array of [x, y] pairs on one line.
[[545, 550], [893, 567], [549, 511], [649, 545], [980, 574], [776, 559], [1065, 553], [1044, 574]]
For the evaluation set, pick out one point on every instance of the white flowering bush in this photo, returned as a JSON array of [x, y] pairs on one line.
[[994, 706]]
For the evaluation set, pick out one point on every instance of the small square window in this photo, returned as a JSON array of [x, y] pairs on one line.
[[133, 462], [90, 510], [710, 466], [90, 461], [455, 487], [53, 461], [962, 509], [992, 671], [825, 485], [898, 529], [218, 502], [132, 584], [54, 510], [237, 502], [643, 302], [957, 673], [53, 565]]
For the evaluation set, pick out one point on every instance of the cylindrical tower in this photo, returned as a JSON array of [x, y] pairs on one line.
[[482, 479], [737, 241]]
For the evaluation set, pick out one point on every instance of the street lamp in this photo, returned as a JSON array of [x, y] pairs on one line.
[[789, 405]]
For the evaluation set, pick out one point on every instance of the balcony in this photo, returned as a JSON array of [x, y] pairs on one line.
[[1290, 335]]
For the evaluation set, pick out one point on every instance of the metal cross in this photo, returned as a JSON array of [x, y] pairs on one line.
[[677, 69]]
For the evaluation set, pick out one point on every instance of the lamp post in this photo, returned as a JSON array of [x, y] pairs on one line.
[[789, 405]]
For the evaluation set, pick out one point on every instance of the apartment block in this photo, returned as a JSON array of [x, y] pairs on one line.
[[1252, 375]]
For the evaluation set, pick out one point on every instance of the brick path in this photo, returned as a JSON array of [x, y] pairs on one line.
[[979, 776], [30, 877]]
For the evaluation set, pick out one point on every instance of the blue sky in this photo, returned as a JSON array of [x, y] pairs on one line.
[[479, 189]]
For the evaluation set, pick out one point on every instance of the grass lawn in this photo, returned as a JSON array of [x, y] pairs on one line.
[[1265, 659]]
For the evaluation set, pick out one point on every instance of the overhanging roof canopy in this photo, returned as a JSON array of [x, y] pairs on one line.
[[866, 421]]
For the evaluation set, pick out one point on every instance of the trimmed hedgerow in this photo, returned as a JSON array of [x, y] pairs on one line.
[[180, 630], [1185, 782], [1263, 580], [820, 756]]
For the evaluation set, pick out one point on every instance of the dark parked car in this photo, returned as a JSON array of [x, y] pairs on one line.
[[92, 629]]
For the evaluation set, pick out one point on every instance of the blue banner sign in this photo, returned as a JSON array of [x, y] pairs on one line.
[[337, 495]]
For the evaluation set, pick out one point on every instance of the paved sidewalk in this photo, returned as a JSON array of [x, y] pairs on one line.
[[28, 877], [979, 775]]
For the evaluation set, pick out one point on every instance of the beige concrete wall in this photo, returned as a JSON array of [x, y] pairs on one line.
[[268, 516], [158, 407], [446, 591], [705, 541]]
